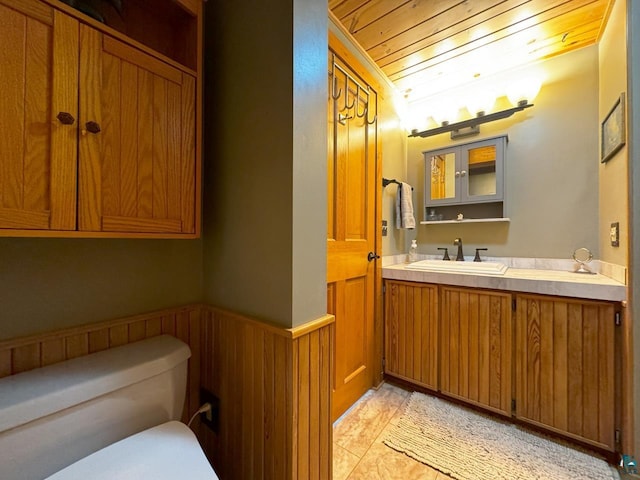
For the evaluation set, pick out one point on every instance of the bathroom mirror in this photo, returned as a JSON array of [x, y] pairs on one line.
[[443, 168], [482, 170]]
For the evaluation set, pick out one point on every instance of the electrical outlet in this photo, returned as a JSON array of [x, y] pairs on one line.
[[210, 419], [614, 234]]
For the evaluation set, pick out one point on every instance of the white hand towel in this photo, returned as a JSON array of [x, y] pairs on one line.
[[404, 207]]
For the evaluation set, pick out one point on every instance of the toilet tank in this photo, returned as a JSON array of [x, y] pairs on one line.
[[51, 417]]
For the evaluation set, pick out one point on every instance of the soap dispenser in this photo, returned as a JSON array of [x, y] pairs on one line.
[[413, 251]]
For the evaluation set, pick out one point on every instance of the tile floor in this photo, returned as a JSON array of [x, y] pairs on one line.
[[358, 451]]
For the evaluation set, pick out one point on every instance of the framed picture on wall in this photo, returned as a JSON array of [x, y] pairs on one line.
[[613, 131]]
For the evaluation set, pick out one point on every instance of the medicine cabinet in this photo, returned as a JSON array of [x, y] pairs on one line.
[[465, 182]]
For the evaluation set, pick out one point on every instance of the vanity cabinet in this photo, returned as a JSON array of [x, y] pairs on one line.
[[548, 361], [565, 367], [100, 121], [464, 175], [411, 334], [475, 347]]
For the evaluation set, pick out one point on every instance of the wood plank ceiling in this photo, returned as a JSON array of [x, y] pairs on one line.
[[427, 46]]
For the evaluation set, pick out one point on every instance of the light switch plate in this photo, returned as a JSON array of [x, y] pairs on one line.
[[614, 234], [384, 228]]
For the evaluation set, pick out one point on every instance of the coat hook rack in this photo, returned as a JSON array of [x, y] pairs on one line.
[[355, 101], [386, 181]]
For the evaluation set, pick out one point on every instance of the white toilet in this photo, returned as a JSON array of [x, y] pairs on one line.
[[109, 415]]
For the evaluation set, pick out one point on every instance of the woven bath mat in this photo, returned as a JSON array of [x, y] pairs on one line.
[[469, 446]]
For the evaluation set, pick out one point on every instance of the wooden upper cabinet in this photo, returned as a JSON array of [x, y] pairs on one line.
[[137, 172], [100, 130], [39, 58]]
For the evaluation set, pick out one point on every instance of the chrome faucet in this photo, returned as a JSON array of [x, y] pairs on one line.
[[460, 255]]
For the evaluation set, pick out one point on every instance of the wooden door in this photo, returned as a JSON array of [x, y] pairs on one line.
[[138, 166], [37, 150], [476, 347], [411, 332], [565, 367], [351, 234]]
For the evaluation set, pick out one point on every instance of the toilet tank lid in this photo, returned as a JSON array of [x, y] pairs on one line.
[[27, 396]]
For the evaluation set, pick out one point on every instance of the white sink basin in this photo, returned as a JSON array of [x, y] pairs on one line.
[[484, 268]]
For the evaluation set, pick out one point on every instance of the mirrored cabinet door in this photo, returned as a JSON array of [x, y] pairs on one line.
[[481, 173], [442, 168]]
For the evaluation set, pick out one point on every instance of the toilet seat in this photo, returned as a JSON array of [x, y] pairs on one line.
[[166, 452]]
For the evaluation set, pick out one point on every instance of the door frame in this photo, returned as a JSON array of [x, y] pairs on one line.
[[349, 58]]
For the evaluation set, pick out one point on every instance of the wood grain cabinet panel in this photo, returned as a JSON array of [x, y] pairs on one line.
[[476, 347], [99, 133], [39, 61], [137, 174], [565, 367], [411, 339]]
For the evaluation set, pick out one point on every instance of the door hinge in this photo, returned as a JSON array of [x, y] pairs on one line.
[[617, 436], [513, 304], [513, 404], [384, 362], [384, 288], [618, 319]]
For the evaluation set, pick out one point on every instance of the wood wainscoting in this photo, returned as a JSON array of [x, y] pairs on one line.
[[274, 384]]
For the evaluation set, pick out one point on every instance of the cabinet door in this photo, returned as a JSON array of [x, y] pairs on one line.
[[476, 347], [482, 171], [411, 332], [137, 159], [441, 177], [565, 367], [38, 151]]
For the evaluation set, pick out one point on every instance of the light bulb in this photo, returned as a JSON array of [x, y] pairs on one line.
[[445, 112], [523, 91], [481, 102]]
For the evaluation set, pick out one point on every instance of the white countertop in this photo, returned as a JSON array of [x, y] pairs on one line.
[[529, 280]]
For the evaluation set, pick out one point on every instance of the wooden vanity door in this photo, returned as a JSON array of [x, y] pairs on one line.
[[38, 150], [350, 238], [565, 367], [476, 347], [137, 174], [411, 332]]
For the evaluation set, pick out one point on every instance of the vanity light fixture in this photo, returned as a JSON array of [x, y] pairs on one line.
[[471, 125]]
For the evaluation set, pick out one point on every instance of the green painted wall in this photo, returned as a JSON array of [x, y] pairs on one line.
[[614, 174], [265, 159], [48, 284]]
